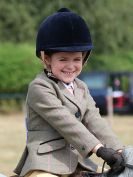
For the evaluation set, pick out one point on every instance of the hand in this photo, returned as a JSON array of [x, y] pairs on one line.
[[112, 157]]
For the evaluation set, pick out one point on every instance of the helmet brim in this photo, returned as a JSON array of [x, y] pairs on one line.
[[66, 49], [70, 49]]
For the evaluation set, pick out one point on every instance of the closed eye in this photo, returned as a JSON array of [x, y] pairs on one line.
[[78, 59], [62, 59]]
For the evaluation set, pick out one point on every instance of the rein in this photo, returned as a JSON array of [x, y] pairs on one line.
[[128, 166], [125, 165]]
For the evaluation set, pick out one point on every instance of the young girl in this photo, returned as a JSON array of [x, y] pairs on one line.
[[63, 123]]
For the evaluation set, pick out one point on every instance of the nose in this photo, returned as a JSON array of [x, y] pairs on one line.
[[70, 65]]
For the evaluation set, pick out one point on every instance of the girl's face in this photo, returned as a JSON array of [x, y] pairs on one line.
[[66, 66]]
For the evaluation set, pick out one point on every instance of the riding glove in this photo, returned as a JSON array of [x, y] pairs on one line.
[[112, 157]]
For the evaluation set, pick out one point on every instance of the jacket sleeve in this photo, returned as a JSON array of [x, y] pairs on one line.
[[98, 126], [43, 100]]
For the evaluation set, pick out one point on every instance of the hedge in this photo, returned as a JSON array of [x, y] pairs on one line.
[[18, 66]]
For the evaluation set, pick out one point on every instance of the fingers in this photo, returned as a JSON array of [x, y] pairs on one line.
[[112, 157]]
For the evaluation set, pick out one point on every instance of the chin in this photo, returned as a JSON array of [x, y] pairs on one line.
[[68, 81]]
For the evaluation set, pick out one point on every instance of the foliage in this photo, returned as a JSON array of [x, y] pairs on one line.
[[110, 22], [121, 61], [18, 67], [16, 22]]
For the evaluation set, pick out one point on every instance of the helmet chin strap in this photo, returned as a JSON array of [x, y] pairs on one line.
[[86, 57], [44, 60]]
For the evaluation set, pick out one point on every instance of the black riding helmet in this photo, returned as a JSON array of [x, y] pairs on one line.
[[64, 31]]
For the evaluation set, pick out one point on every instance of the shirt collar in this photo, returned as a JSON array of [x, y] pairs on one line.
[[69, 85]]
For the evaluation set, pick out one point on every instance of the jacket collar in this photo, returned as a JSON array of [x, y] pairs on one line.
[[77, 97], [51, 76]]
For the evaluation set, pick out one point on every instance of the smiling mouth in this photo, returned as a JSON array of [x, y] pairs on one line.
[[68, 73]]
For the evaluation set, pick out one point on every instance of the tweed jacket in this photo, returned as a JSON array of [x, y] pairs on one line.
[[62, 129]]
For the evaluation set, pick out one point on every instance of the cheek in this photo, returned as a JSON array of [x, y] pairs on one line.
[[80, 66], [55, 68], [53, 65], [58, 66]]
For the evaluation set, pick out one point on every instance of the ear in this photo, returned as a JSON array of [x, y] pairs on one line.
[[45, 58]]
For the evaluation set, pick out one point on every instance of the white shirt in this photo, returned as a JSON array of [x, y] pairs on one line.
[[69, 86]]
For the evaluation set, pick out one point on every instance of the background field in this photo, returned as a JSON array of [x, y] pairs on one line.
[[12, 137]]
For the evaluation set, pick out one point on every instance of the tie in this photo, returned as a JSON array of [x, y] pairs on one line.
[[70, 89]]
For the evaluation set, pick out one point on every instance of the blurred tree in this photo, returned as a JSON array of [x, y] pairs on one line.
[[16, 23], [110, 22]]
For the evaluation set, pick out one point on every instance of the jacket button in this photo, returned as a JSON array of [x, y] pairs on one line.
[[83, 148], [77, 114], [72, 148]]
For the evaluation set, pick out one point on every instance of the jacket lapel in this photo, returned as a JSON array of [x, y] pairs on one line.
[[79, 92], [66, 92], [76, 98]]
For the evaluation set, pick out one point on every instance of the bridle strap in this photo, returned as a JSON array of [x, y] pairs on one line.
[[128, 165]]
